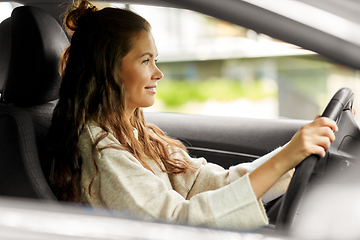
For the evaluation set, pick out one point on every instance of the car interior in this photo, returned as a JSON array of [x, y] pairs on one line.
[[28, 97], [31, 43]]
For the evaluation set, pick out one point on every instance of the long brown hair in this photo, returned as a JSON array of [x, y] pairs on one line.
[[92, 91]]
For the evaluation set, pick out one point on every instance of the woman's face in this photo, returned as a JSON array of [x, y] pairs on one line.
[[140, 74]]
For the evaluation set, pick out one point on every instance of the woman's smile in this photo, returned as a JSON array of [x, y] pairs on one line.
[[151, 89]]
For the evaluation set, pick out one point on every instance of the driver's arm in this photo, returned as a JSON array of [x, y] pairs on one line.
[[313, 138]]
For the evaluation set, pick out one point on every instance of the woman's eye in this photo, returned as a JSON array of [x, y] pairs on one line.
[[145, 62]]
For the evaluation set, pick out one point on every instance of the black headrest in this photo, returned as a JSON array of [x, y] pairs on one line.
[[37, 43], [4, 50]]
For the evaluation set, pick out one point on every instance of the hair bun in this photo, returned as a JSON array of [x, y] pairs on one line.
[[77, 14]]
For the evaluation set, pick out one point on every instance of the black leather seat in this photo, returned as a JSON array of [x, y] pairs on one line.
[[29, 95]]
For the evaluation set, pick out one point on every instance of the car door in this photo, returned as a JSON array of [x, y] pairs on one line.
[[226, 140]]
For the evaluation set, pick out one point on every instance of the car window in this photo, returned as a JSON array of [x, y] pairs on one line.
[[5, 10], [213, 67]]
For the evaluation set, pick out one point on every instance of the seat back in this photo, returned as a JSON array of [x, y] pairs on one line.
[[28, 98], [20, 170]]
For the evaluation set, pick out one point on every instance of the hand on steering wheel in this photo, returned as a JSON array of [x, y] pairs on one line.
[[313, 138], [343, 99]]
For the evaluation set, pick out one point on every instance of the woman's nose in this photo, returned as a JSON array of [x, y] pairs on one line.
[[158, 74]]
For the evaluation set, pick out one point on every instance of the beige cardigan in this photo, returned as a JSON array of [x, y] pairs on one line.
[[208, 196]]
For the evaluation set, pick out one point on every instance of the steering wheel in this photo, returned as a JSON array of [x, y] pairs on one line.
[[300, 180]]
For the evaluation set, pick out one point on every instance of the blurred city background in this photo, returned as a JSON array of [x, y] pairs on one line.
[[213, 67]]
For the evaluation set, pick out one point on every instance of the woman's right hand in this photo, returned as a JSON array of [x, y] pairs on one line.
[[312, 138]]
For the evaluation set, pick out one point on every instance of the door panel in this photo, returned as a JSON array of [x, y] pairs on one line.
[[226, 140]]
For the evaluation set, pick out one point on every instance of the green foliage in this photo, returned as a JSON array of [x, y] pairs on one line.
[[175, 93]]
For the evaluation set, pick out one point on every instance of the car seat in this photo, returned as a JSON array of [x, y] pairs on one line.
[[29, 95]]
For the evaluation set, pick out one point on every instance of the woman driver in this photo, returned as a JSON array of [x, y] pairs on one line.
[[104, 154]]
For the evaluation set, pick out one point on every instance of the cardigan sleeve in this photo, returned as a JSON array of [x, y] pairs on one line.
[[210, 176], [121, 183]]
